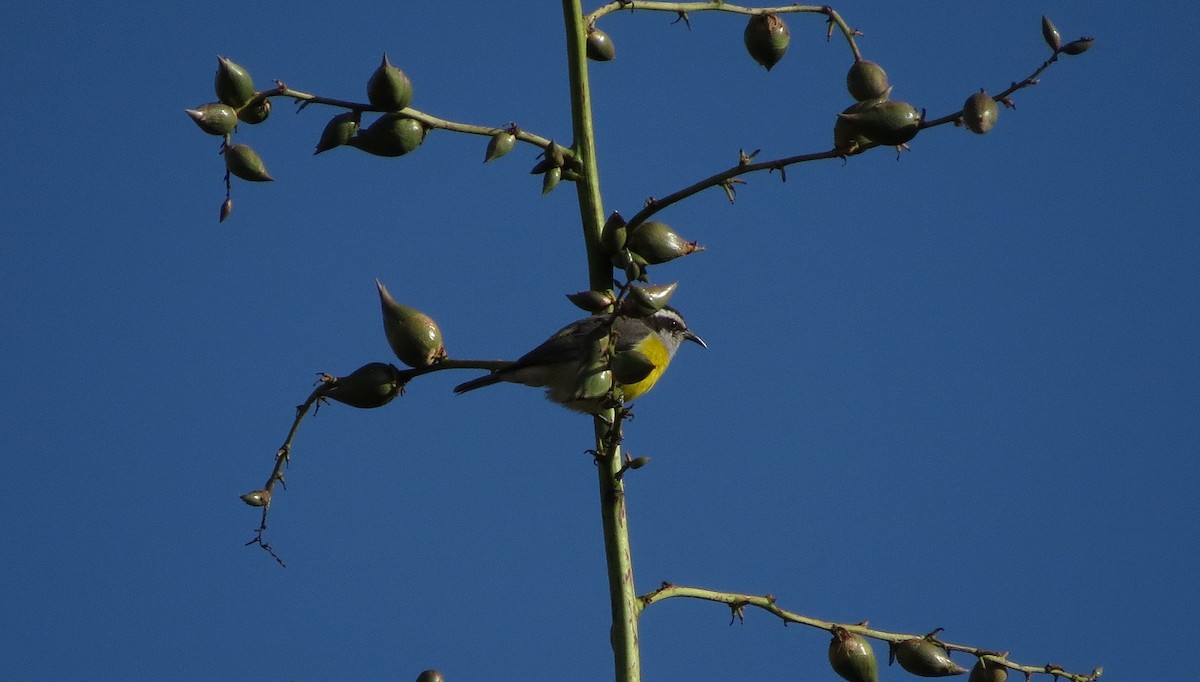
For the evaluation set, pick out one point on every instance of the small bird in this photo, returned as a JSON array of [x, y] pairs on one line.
[[565, 363]]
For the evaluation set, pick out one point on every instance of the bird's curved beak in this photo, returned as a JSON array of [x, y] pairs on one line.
[[692, 337]]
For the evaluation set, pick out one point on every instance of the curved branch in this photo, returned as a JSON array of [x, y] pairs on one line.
[[262, 497], [723, 178], [682, 9], [429, 120], [1002, 97], [738, 602]]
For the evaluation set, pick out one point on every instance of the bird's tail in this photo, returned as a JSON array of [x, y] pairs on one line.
[[486, 380]]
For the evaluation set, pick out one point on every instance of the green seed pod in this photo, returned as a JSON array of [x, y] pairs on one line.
[[848, 135], [657, 243], [594, 385], [390, 135], [631, 366], [923, 658], [413, 335], [256, 113], [600, 47], [635, 272], [388, 88], [886, 122], [592, 301], [622, 259], [1051, 34], [226, 209], [245, 163], [867, 80], [555, 154], [1078, 46], [500, 144], [431, 676], [614, 234], [369, 386], [766, 37], [979, 112], [233, 84], [638, 462], [987, 671], [644, 301], [214, 118], [257, 498], [851, 657], [338, 131], [550, 179]]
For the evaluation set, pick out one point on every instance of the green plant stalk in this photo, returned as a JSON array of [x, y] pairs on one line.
[[622, 595]]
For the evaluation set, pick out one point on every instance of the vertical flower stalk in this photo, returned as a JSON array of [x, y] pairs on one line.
[[622, 596]]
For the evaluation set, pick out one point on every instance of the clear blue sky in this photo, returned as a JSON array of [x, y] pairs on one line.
[[957, 390]]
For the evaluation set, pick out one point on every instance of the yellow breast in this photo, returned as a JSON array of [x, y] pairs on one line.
[[654, 350]]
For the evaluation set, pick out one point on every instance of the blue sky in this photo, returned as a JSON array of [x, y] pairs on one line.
[[960, 389]]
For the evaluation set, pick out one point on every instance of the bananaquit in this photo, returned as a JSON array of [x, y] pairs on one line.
[[565, 363]]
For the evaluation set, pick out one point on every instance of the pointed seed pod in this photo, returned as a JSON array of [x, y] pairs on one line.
[[500, 144], [372, 385], [431, 676], [644, 301], [979, 112], [226, 209], [638, 462], [255, 113], [622, 259], [657, 243], [233, 84], [987, 671], [413, 335], [214, 118], [389, 89], [923, 658], [257, 498], [848, 136], [338, 131], [887, 122], [1050, 33], [594, 385], [1078, 46], [390, 135], [851, 657], [631, 366], [599, 46], [245, 163], [766, 37], [550, 179], [592, 301], [867, 80], [636, 272], [554, 154], [614, 234]]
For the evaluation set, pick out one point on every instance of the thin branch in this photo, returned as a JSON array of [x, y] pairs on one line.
[[683, 8], [737, 602], [263, 496], [1002, 97], [723, 178], [429, 120], [654, 205]]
